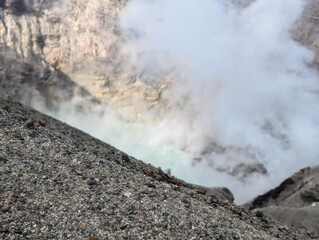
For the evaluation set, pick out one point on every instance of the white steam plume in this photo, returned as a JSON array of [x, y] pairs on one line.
[[244, 91]]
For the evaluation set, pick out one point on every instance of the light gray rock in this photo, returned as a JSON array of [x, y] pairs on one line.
[[294, 201], [305, 218]]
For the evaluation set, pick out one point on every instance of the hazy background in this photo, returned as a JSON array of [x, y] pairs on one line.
[[242, 105]]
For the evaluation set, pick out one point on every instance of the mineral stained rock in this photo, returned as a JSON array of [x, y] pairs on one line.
[[82, 39]]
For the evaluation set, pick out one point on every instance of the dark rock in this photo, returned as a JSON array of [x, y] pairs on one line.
[[19, 136], [5, 230], [151, 185], [34, 134], [273, 194], [122, 226], [222, 193], [105, 222], [6, 208], [7, 108], [125, 158], [17, 7], [295, 191], [3, 4], [26, 162], [92, 182], [185, 200], [40, 41], [3, 159], [30, 123], [259, 214], [117, 191], [311, 194]]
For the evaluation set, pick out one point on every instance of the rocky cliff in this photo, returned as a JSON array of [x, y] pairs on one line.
[[51, 49], [78, 38], [82, 40]]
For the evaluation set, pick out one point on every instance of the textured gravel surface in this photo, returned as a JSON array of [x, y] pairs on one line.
[[57, 182]]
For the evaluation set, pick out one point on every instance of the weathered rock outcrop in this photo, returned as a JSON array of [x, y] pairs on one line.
[[82, 39], [295, 201]]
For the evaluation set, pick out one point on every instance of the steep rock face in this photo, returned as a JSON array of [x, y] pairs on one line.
[[24, 73], [48, 45], [63, 32], [29, 80], [295, 201], [80, 39]]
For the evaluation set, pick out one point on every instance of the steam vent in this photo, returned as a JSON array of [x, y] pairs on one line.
[[163, 119]]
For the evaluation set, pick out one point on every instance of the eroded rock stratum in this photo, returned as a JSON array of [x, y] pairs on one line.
[[78, 38], [82, 39]]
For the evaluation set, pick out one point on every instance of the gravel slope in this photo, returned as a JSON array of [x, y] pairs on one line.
[[57, 182]]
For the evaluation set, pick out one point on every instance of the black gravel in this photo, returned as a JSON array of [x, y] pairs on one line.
[[57, 182]]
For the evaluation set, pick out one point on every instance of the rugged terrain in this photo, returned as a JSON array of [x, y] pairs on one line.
[[295, 201], [57, 182], [82, 40], [48, 169], [77, 38]]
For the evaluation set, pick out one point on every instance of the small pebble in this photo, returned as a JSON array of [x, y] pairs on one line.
[[42, 122], [3, 159], [92, 182], [30, 123]]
